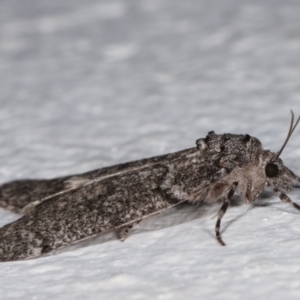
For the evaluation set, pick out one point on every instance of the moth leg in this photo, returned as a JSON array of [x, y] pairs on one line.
[[286, 199], [124, 231], [222, 212]]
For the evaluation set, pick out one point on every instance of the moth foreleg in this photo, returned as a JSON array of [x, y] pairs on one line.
[[284, 198], [124, 231], [222, 212]]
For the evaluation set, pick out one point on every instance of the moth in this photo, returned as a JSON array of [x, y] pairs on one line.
[[65, 210]]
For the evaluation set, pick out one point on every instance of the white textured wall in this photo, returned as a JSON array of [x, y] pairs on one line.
[[86, 84]]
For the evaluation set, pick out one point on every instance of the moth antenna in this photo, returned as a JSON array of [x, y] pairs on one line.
[[290, 132]]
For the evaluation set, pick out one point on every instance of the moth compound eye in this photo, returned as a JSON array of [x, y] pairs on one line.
[[271, 170]]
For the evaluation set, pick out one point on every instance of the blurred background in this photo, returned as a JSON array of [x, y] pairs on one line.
[[90, 83], [86, 84]]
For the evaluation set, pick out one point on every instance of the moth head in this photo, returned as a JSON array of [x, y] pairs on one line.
[[277, 174]]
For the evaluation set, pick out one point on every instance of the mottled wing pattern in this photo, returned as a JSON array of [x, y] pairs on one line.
[[17, 194], [83, 213]]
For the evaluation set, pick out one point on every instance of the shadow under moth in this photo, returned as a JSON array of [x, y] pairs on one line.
[[62, 211]]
